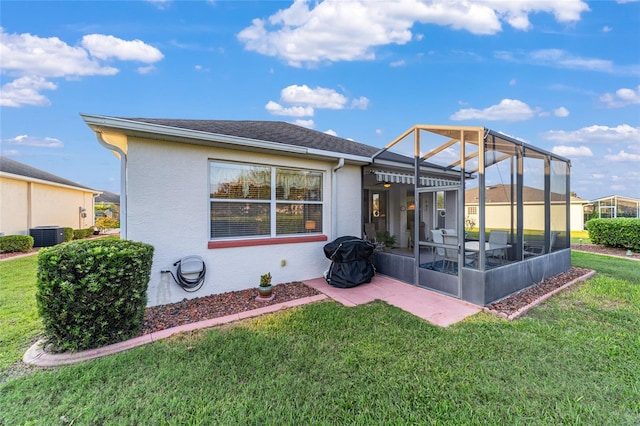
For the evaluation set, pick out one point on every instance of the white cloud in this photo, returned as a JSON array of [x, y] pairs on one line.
[[596, 134], [319, 97], [561, 112], [331, 132], [303, 101], [513, 82], [396, 64], [293, 111], [26, 140], [10, 152], [623, 156], [25, 91], [26, 54], [107, 46], [146, 70], [309, 124], [379, 132], [622, 97], [360, 103], [334, 30], [572, 151], [606, 29], [506, 110], [34, 60]]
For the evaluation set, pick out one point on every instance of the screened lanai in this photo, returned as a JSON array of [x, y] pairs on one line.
[[476, 214]]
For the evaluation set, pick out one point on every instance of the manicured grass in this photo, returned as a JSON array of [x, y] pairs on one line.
[[571, 361], [611, 266], [578, 237], [19, 321]]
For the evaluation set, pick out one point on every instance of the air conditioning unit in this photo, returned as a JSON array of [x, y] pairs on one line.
[[47, 236]]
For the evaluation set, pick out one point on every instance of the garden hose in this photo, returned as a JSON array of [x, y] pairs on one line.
[[190, 273]]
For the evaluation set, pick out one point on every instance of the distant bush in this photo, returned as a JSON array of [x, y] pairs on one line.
[[79, 234], [14, 243], [107, 223], [68, 234], [621, 232], [93, 293]]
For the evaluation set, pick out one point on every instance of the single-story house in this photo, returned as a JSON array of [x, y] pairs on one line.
[[108, 204], [251, 197], [498, 204], [31, 197]]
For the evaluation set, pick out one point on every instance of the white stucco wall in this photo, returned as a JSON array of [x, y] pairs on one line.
[[26, 205], [168, 207]]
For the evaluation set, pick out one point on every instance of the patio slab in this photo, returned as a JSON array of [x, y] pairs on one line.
[[434, 307]]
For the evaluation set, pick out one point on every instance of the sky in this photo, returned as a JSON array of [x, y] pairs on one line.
[[562, 75]]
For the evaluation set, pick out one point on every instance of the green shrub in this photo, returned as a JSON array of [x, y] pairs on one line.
[[621, 232], [79, 234], [68, 234], [93, 293], [13, 243], [107, 222]]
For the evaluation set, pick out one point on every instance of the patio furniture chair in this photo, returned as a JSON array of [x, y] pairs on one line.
[[498, 237], [370, 233], [421, 233], [371, 236], [436, 236], [537, 248], [451, 254]]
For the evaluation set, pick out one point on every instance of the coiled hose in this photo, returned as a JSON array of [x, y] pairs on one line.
[[190, 273]]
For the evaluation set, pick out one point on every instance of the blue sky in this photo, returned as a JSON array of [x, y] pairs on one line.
[[563, 75]]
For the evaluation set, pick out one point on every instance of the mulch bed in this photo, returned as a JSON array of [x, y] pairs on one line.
[[514, 303], [187, 311]]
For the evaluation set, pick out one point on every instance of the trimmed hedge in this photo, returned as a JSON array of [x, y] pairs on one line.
[[68, 234], [107, 222], [93, 293], [79, 234], [621, 232], [14, 243]]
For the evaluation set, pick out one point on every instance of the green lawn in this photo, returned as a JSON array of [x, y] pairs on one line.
[[573, 360], [19, 321]]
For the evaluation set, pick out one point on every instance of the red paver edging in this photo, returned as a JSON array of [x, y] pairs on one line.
[[35, 355], [541, 299]]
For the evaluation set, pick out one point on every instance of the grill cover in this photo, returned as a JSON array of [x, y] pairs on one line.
[[351, 263]]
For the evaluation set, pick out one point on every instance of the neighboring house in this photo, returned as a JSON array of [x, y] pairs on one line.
[[612, 206], [252, 197], [498, 206], [31, 197], [107, 204]]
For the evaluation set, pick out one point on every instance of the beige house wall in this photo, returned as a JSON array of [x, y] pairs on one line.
[[498, 216], [25, 204]]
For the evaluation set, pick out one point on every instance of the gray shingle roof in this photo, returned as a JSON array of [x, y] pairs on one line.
[[502, 194], [108, 198], [269, 131], [14, 167]]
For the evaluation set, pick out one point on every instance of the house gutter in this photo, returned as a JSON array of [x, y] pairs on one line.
[[123, 183], [334, 198]]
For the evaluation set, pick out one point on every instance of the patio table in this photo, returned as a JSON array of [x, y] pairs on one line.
[[488, 247]]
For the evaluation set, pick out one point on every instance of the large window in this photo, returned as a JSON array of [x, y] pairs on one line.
[[249, 200]]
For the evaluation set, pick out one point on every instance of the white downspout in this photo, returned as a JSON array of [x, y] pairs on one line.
[[334, 199], [123, 184]]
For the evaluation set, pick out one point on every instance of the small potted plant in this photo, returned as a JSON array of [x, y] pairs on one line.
[[265, 288], [387, 240]]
